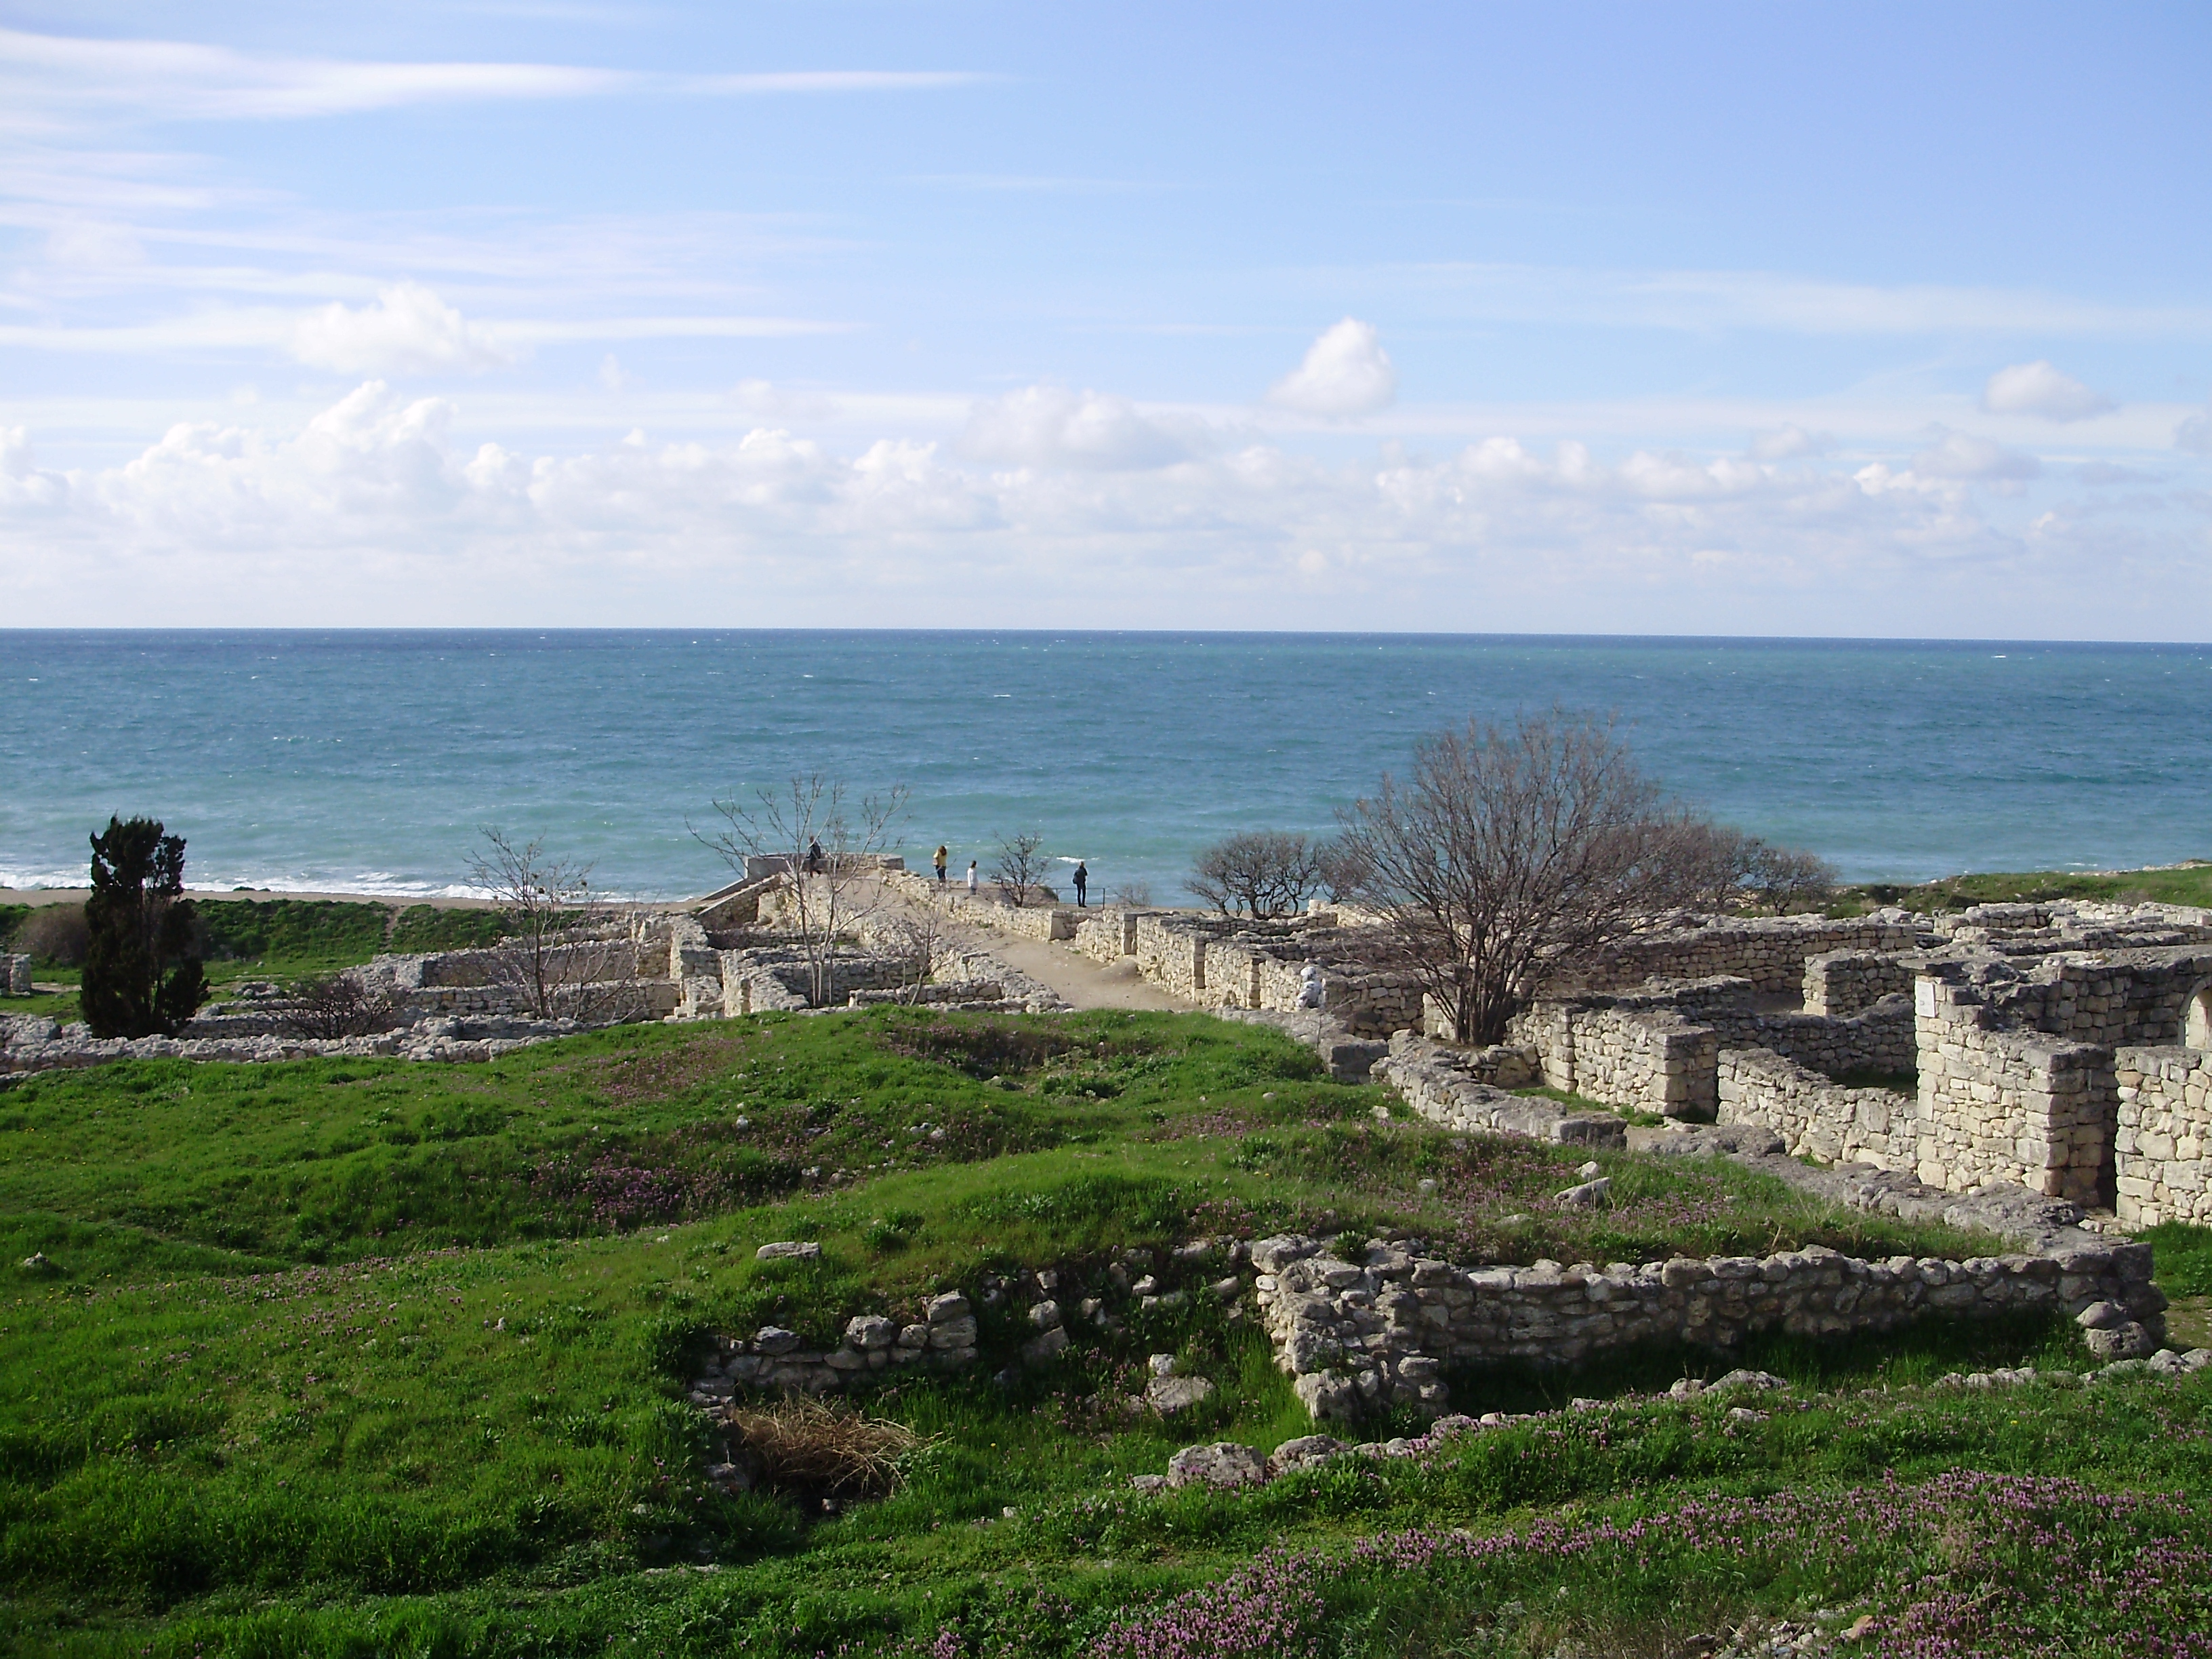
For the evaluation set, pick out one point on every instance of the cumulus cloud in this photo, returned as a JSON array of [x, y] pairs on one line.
[[2195, 434], [371, 510], [409, 329], [1789, 442], [1346, 373], [1049, 426], [2039, 389], [1961, 456]]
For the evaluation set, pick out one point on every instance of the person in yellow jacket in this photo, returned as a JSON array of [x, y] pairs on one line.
[[942, 853]]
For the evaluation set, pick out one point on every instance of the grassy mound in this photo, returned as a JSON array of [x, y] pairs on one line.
[[363, 1358]]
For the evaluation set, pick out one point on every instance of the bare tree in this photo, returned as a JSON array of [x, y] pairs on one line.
[[1510, 848], [1785, 879], [569, 952], [1020, 867], [1263, 873], [829, 853], [336, 1005], [1722, 868], [919, 934]]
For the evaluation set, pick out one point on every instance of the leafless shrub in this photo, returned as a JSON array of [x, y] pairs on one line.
[[1261, 874], [1509, 849], [569, 952], [1019, 867], [1722, 868], [804, 1445], [1134, 895], [1784, 879], [55, 933], [336, 1005], [829, 852], [917, 935]]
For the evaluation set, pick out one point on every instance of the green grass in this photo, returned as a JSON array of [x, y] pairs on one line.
[[361, 1357], [284, 938], [2191, 883]]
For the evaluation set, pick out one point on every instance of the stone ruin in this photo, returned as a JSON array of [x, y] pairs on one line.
[[730, 954]]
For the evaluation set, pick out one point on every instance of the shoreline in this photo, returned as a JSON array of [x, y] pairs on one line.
[[36, 896]]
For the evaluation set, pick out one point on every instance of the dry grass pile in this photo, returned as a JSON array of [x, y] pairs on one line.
[[804, 1444]]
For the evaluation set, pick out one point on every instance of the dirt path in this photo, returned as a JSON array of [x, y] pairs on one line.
[[1083, 982]]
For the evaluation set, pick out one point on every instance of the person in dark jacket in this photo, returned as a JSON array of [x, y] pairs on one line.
[[1082, 884]]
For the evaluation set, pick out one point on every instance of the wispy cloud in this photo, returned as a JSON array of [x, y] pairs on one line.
[[1702, 300], [44, 79]]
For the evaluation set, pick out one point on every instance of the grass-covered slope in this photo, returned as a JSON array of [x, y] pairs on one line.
[[362, 1358]]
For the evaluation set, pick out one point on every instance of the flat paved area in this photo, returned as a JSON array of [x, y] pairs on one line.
[[1083, 982]]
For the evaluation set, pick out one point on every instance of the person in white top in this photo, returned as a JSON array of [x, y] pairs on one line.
[[971, 878]]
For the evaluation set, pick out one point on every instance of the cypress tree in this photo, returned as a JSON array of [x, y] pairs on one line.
[[141, 965]]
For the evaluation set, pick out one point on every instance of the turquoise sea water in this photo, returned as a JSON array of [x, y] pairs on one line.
[[366, 761]]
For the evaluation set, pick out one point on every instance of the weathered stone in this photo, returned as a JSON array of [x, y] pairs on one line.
[[1223, 1465], [1169, 1395], [789, 1250]]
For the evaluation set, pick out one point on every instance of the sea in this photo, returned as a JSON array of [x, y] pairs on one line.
[[371, 761]]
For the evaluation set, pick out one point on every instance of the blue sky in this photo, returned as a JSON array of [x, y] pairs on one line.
[[1759, 318]]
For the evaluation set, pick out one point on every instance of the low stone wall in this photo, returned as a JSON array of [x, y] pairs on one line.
[[1771, 952], [1634, 1051], [1879, 1038], [30, 1044], [1171, 953], [1444, 1087], [943, 1338], [2163, 1136], [1815, 1117], [1362, 1337], [1108, 935], [1843, 982], [15, 975]]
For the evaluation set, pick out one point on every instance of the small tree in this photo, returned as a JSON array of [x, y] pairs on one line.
[[336, 1005], [1261, 874], [1785, 879], [1509, 849], [141, 965], [781, 826], [1020, 867], [567, 952]]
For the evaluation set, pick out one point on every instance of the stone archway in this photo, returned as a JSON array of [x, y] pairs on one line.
[[2197, 1019]]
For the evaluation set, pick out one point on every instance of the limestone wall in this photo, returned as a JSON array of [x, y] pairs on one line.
[[15, 975], [2163, 1136], [1365, 1336], [942, 1339], [1633, 1052], [2010, 1105], [1107, 935], [1171, 952], [1843, 982], [1453, 1087], [1815, 1117], [1770, 951]]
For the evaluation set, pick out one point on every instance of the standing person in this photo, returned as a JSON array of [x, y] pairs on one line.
[[942, 853], [1082, 882], [971, 878], [813, 856]]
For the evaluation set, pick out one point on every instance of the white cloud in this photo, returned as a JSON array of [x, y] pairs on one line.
[[1789, 441], [1346, 373], [44, 77], [371, 511], [1960, 455], [1049, 426], [2195, 434], [2038, 388], [408, 329]]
